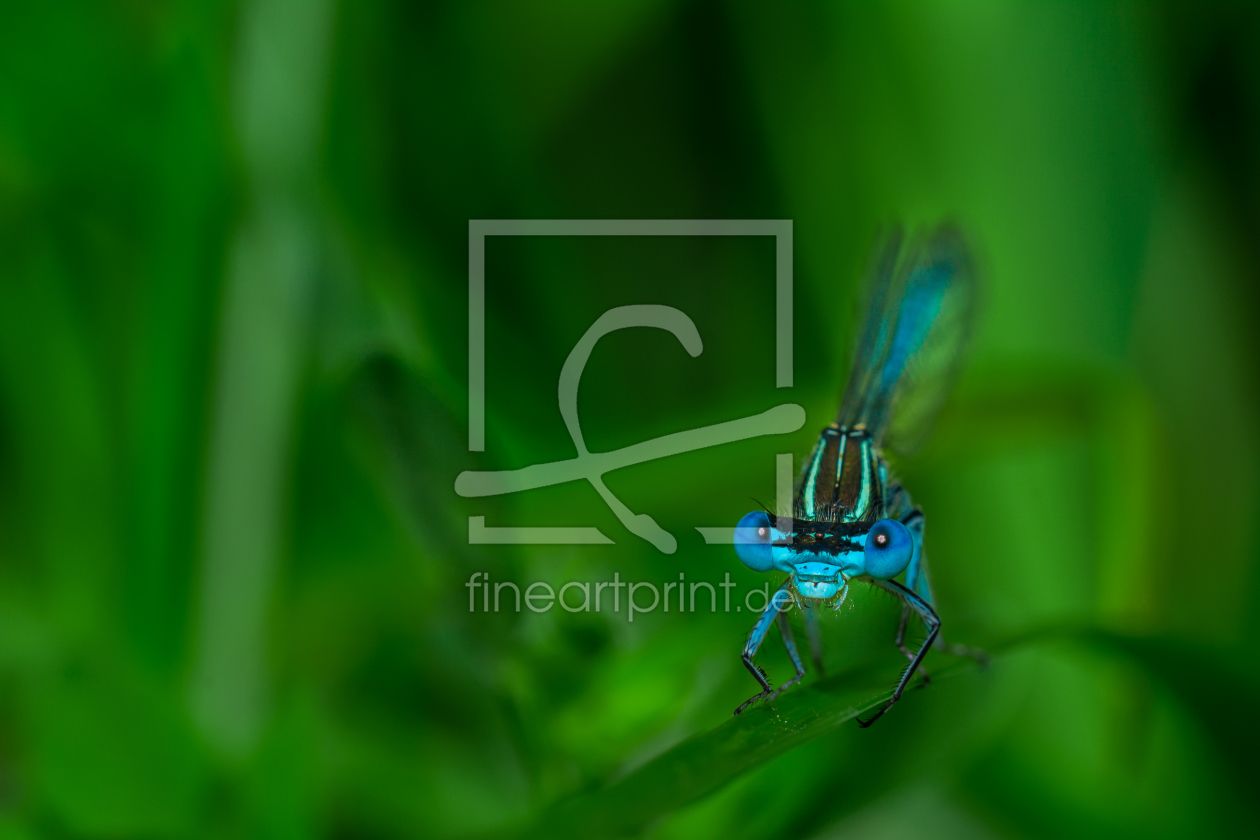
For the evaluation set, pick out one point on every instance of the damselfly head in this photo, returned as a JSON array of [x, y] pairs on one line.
[[820, 555], [818, 574]]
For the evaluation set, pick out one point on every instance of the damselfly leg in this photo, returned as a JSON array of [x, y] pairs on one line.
[[916, 581], [813, 632], [919, 581], [785, 630], [933, 622], [772, 611]]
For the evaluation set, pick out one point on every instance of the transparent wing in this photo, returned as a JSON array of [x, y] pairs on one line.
[[923, 300]]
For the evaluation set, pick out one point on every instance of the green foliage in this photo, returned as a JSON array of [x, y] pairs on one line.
[[708, 761]]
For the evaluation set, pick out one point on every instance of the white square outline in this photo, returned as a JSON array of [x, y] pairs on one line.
[[479, 229]]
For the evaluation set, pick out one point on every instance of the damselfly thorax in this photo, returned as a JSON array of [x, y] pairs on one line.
[[845, 479]]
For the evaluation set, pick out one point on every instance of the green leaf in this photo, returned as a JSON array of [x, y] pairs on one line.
[[706, 762]]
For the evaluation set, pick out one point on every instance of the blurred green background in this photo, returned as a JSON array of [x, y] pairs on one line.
[[233, 403]]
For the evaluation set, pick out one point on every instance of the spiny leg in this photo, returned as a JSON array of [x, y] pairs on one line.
[[916, 581], [933, 622], [755, 639], [760, 676], [785, 630], [813, 632], [900, 641]]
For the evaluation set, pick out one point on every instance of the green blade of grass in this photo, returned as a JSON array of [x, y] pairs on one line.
[[705, 762]]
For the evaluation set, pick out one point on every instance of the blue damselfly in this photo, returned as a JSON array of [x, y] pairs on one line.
[[851, 518]]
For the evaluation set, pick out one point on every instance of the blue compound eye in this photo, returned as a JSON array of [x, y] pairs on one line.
[[888, 549], [752, 541]]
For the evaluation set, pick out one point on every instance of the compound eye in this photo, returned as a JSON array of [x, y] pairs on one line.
[[752, 541], [889, 547]]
